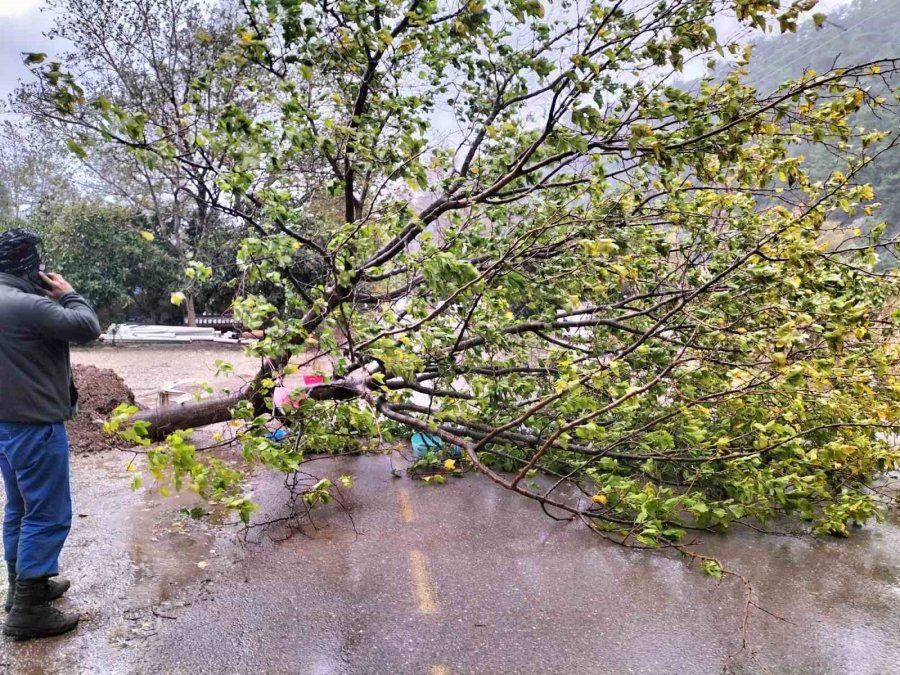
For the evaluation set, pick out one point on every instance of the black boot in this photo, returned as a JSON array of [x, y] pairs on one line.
[[11, 591], [32, 616], [54, 587]]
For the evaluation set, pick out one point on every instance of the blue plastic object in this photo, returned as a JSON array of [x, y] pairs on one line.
[[276, 436], [424, 443]]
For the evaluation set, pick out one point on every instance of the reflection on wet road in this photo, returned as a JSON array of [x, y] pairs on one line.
[[461, 578]]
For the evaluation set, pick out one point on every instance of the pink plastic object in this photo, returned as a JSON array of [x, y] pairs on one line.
[[309, 380], [282, 399]]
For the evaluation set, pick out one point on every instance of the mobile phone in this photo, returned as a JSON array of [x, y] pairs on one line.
[[35, 278]]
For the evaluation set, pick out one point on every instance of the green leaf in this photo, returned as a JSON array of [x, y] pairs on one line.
[[76, 148], [712, 568]]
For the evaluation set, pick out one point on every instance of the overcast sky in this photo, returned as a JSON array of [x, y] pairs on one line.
[[22, 25]]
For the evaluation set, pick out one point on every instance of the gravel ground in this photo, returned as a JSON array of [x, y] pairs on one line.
[[146, 369]]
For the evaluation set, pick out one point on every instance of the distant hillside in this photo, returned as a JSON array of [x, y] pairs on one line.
[[864, 31]]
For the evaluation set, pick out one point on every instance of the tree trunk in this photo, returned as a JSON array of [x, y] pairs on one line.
[[164, 420], [190, 311]]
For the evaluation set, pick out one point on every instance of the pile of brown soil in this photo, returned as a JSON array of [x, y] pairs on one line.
[[100, 391]]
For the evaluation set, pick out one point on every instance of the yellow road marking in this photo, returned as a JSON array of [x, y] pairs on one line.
[[405, 506], [440, 670], [422, 585]]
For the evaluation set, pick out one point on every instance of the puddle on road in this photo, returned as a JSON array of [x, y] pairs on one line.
[[134, 558]]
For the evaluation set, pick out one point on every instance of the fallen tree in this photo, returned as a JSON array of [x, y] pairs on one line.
[[162, 421], [556, 255]]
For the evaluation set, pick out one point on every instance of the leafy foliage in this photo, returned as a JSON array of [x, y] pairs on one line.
[[97, 249], [860, 32], [141, 57], [553, 256]]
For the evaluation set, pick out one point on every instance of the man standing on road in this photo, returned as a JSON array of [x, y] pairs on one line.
[[40, 314]]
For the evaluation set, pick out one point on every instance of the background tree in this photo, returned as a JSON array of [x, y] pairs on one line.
[[593, 280], [94, 246], [143, 56], [32, 172]]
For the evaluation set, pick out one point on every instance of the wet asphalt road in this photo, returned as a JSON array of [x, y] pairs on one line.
[[461, 578]]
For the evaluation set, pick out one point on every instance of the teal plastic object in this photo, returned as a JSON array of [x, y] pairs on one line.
[[424, 443]]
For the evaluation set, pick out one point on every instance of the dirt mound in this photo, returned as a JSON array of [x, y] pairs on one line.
[[100, 391]]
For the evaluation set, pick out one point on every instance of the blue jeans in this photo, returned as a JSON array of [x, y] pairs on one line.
[[34, 460]]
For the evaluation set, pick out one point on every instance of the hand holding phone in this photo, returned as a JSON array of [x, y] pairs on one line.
[[55, 285]]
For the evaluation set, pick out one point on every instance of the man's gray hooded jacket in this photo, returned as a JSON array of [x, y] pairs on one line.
[[35, 331]]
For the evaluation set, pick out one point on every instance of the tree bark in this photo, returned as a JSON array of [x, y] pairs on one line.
[[167, 419], [190, 311]]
